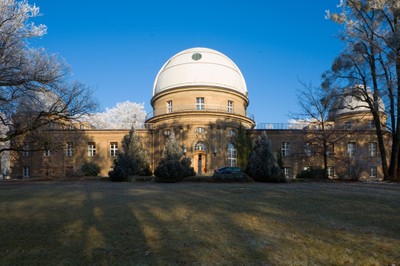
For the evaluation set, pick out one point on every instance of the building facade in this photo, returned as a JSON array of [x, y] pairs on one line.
[[200, 96]]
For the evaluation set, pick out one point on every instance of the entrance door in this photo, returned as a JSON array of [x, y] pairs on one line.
[[199, 165]]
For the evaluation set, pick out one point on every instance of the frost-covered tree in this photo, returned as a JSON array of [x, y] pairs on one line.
[[133, 160], [124, 115], [172, 149], [34, 86], [262, 165], [371, 31]]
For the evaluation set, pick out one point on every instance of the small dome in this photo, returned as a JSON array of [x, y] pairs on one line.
[[353, 101], [199, 67]]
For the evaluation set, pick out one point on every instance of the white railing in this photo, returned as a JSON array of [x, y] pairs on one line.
[[192, 108]]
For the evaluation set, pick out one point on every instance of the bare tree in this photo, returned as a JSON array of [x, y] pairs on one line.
[[316, 106], [34, 87], [372, 59]]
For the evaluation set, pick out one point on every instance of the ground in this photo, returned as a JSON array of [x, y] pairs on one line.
[[146, 223]]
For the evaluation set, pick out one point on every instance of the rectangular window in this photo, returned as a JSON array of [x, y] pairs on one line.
[[113, 148], [230, 106], [372, 149], [91, 149], [308, 149], [373, 172], [351, 149], [200, 103], [69, 149], [200, 130], [26, 150], [347, 125], [26, 171], [46, 153], [285, 149], [286, 171], [330, 151], [169, 107], [331, 172]]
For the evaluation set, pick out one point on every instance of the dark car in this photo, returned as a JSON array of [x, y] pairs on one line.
[[227, 170]]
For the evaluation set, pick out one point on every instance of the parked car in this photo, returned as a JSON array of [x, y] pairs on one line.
[[227, 170]]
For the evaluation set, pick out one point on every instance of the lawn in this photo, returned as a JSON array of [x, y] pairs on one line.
[[105, 223]]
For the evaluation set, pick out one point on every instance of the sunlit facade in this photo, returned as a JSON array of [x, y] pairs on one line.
[[200, 96]]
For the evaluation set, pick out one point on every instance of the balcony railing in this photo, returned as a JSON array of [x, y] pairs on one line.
[[200, 108], [309, 126]]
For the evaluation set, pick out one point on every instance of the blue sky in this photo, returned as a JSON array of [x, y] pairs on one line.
[[117, 47]]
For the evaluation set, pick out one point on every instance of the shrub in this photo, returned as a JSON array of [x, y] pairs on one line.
[[90, 169], [311, 173], [173, 170], [262, 165]]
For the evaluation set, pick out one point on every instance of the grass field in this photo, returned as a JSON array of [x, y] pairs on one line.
[[105, 223]]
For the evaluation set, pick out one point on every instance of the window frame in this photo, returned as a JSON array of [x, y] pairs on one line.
[[200, 103], [373, 149], [91, 149], [114, 149], [285, 149], [26, 149], [169, 107], [232, 155], [373, 171], [230, 106], [69, 149], [351, 148], [26, 171]]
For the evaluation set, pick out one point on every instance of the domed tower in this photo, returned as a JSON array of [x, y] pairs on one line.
[[200, 95], [351, 109]]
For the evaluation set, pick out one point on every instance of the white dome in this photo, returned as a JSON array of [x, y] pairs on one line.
[[199, 67], [353, 101]]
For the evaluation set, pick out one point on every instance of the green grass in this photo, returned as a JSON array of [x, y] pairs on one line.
[[105, 223]]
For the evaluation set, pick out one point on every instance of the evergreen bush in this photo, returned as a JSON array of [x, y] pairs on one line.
[[262, 165], [311, 173], [132, 161], [90, 169], [172, 168]]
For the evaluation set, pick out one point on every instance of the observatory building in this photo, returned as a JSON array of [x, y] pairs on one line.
[[200, 96]]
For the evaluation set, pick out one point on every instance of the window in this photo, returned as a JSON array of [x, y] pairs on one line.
[[347, 125], [351, 149], [285, 149], [230, 106], [372, 149], [113, 148], [330, 150], [200, 103], [371, 124], [308, 149], [331, 172], [200, 130], [69, 152], [169, 107], [373, 171], [286, 171], [232, 155], [26, 171], [200, 146], [26, 149], [91, 149], [232, 133], [46, 153]]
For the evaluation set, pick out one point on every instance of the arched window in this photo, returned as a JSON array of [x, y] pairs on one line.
[[232, 155], [200, 146]]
